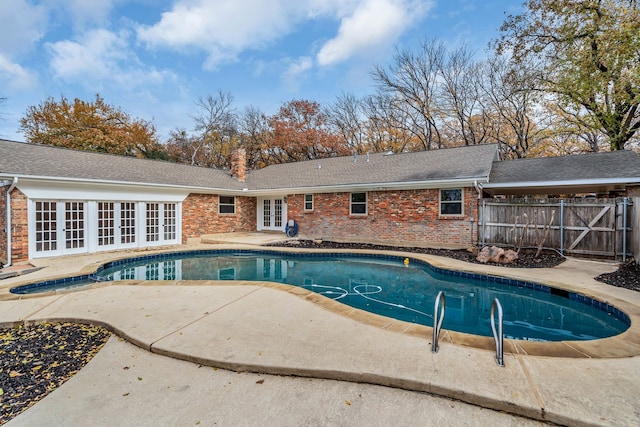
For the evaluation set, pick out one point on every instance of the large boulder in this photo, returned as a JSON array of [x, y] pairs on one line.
[[497, 255]]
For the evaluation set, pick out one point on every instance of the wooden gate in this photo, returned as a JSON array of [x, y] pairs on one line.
[[599, 227]]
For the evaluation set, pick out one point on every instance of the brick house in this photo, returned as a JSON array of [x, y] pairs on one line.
[[57, 201]]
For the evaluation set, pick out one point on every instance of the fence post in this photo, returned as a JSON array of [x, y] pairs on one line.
[[625, 203], [561, 226]]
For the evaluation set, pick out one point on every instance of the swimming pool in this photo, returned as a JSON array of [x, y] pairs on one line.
[[385, 285]]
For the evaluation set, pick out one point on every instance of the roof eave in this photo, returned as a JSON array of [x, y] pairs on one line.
[[373, 186], [566, 183], [187, 188]]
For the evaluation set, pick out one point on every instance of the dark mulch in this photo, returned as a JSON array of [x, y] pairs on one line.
[[36, 359], [525, 260], [627, 276]]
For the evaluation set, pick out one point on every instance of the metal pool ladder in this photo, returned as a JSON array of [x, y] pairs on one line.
[[498, 336], [437, 320]]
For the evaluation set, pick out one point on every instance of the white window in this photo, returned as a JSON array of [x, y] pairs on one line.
[[451, 202], [358, 204], [308, 202], [226, 204]]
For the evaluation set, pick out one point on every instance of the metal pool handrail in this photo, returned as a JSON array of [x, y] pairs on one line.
[[498, 336], [437, 320]]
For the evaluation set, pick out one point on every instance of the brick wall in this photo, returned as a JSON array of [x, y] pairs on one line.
[[408, 217], [19, 226], [200, 216]]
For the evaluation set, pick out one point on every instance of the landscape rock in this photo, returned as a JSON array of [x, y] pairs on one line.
[[497, 255]]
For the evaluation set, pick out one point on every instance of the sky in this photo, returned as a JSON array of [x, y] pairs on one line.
[[155, 58]]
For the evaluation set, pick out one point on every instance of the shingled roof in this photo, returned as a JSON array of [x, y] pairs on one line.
[[417, 168], [47, 162], [412, 169], [594, 172]]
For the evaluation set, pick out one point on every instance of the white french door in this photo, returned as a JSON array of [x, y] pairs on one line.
[[272, 214], [116, 226], [60, 228], [161, 223], [64, 227]]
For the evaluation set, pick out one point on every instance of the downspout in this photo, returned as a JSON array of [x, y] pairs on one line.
[[478, 188], [8, 221]]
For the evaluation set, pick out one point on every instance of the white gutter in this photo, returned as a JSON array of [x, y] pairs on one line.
[[573, 182], [380, 186], [189, 188], [14, 182]]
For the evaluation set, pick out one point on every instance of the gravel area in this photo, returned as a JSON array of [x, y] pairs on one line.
[[37, 359]]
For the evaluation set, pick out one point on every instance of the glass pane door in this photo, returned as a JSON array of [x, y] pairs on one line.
[[106, 224], [153, 222], [74, 226], [127, 223]]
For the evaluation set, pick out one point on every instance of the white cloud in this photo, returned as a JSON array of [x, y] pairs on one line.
[[15, 77], [296, 69], [86, 14], [22, 25], [221, 28], [372, 25], [99, 57]]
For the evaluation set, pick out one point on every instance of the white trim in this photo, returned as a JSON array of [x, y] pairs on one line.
[[86, 191], [443, 215], [574, 182], [368, 187], [260, 214], [366, 203], [304, 202]]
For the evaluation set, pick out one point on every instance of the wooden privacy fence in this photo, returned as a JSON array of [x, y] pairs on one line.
[[598, 227]]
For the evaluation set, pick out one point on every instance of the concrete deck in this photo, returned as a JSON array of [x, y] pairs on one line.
[[281, 330]]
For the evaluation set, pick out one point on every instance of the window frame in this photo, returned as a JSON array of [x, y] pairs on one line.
[[442, 203], [306, 202], [358, 203], [232, 205]]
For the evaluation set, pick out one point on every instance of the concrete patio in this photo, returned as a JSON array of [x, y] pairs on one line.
[[275, 329]]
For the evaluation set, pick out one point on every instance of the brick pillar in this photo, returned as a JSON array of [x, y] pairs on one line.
[[239, 164]]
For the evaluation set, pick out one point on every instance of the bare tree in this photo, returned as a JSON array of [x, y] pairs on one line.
[[346, 117], [412, 83], [460, 99], [386, 126], [254, 134], [510, 96]]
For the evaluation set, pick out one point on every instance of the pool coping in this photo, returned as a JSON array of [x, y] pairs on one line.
[[626, 344]]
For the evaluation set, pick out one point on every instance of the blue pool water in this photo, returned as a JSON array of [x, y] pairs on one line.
[[386, 286]]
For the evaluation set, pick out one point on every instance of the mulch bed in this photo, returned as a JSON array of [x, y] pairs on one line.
[[525, 260], [37, 359], [627, 276]]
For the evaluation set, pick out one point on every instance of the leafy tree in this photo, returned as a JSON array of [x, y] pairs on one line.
[[299, 131], [91, 126], [588, 55]]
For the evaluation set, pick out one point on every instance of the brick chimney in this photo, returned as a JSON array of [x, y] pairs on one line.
[[239, 164]]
